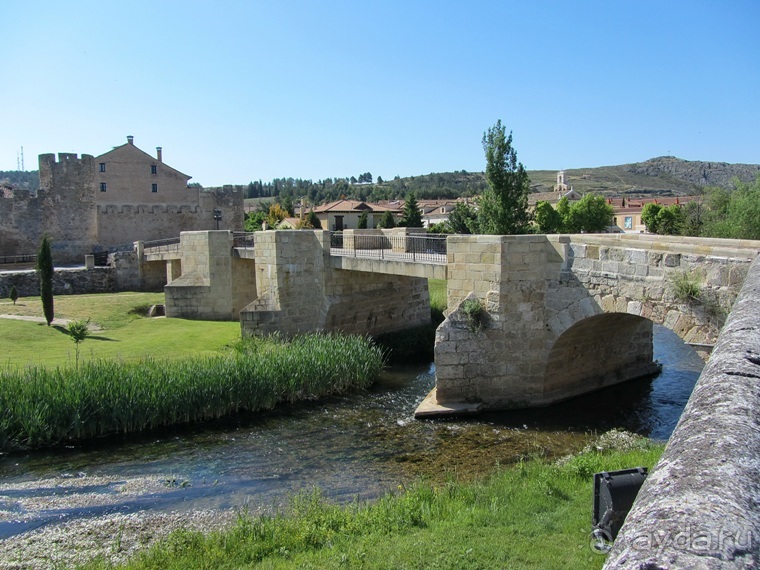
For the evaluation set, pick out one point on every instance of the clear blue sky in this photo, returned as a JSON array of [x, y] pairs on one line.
[[248, 90]]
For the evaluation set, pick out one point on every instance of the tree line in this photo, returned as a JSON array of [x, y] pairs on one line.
[[716, 212]]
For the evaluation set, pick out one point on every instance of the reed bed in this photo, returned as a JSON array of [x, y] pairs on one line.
[[48, 406]]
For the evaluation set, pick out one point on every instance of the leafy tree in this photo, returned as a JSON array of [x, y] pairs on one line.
[[670, 220], [590, 214], [314, 220], [45, 273], [734, 214], [254, 220], [287, 204], [412, 215], [387, 220], [379, 179], [504, 203], [362, 223], [463, 219], [79, 331], [693, 214], [13, 294], [548, 220], [276, 215], [649, 217]]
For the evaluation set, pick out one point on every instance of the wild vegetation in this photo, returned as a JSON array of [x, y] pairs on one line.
[[45, 406], [496, 522]]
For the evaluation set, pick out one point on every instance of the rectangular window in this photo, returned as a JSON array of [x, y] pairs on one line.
[[629, 222], [102, 186], [154, 187], [153, 169], [102, 166]]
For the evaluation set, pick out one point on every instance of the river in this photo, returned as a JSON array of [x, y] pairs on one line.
[[359, 445]]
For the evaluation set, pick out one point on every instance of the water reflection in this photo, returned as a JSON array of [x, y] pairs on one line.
[[358, 445]]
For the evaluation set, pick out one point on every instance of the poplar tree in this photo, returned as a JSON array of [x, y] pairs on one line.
[[504, 204], [45, 273]]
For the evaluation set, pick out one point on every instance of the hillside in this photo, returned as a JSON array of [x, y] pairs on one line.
[[665, 175]]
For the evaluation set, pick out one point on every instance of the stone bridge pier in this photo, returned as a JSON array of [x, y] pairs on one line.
[[565, 315]]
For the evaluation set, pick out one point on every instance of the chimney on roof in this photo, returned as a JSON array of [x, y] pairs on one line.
[[158, 154], [130, 139]]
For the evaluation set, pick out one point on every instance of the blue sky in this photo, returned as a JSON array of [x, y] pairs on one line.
[[240, 91]]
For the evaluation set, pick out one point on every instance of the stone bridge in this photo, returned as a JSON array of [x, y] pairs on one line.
[[532, 319]]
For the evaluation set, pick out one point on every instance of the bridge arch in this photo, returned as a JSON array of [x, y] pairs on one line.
[[598, 351]]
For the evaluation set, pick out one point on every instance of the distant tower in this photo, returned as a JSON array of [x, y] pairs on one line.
[[561, 185]]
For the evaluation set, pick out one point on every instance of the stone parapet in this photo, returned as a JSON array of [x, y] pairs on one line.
[[698, 508]]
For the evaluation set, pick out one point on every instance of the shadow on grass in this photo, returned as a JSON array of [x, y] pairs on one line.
[[102, 338]]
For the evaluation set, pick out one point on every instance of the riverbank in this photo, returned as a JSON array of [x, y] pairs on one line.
[[535, 514]]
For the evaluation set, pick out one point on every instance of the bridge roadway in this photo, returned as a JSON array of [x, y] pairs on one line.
[[412, 256]]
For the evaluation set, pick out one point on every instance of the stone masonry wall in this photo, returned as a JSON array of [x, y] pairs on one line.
[[298, 291], [206, 288], [698, 508], [536, 289]]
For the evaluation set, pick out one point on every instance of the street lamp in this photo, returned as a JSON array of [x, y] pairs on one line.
[[217, 216]]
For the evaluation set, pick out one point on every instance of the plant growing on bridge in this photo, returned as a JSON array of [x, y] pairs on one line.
[[686, 286], [475, 314]]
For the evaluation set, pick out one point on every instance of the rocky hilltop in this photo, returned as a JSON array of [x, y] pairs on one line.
[[664, 175], [694, 171]]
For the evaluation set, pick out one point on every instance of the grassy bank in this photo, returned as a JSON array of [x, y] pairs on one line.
[[45, 406], [126, 335], [534, 515]]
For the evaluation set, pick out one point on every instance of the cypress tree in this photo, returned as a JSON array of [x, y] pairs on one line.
[[45, 273], [13, 294]]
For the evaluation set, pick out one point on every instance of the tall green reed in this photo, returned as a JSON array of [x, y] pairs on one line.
[[43, 406]]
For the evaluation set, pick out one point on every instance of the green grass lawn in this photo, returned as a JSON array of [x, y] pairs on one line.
[[533, 515], [125, 335]]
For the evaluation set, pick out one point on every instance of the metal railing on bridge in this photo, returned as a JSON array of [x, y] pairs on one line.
[[242, 239], [408, 248], [168, 245], [13, 259]]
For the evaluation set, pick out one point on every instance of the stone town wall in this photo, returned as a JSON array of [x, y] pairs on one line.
[[19, 221], [552, 300], [122, 274], [298, 291], [698, 507], [70, 209]]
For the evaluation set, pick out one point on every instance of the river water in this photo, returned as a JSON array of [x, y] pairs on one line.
[[360, 445]]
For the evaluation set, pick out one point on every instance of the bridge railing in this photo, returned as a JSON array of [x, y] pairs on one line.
[[9, 259], [380, 245], [242, 239], [169, 245]]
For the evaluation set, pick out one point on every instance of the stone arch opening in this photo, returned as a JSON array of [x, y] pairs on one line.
[[598, 351]]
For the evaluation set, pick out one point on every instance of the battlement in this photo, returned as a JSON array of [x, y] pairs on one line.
[[121, 209], [63, 157]]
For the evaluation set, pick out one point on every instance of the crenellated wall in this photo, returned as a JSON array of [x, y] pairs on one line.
[[88, 204]]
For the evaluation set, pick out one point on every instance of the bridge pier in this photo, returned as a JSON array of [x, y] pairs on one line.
[[300, 290], [565, 315]]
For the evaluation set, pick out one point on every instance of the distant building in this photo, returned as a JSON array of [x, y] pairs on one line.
[[627, 211], [344, 214], [91, 204]]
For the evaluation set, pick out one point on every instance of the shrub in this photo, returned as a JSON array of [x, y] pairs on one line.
[[13, 294], [685, 286], [475, 314]]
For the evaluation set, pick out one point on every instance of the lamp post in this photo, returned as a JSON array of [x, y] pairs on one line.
[[217, 216]]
